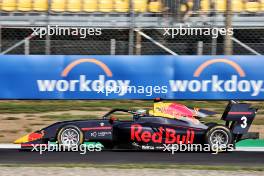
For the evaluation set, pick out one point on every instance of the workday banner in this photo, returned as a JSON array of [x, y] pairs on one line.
[[132, 77]]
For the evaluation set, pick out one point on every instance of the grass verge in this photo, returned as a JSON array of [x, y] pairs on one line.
[[39, 106], [42, 106], [143, 166]]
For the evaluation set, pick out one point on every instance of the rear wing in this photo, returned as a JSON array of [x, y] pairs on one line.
[[241, 116]]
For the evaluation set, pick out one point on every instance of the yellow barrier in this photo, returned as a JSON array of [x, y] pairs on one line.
[[40, 5]]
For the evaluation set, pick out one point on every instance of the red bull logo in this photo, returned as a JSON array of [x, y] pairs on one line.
[[171, 137], [236, 83]]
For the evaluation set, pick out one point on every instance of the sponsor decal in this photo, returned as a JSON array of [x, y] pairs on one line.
[[83, 84], [54, 147], [216, 148], [147, 147], [101, 133], [140, 135], [134, 80], [235, 83], [173, 110], [94, 134], [30, 137]]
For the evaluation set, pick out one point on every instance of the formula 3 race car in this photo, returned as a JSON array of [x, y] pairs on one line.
[[166, 123]]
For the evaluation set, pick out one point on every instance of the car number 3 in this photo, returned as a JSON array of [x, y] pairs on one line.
[[244, 122]]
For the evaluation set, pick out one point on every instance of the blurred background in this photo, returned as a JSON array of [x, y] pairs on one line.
[[132, 27]]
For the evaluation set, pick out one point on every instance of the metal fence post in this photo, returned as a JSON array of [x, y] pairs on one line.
[[178, 10], [214, 40], [131, 28], [200, 48], [26, 46], [47, 38], [113, 46], [138, 44], [228, 47], [47, 44]]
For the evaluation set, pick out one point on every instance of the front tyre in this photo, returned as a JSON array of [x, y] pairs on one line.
[[219, 138], [70, 136]]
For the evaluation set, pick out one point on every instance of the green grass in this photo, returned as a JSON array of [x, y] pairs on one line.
[[28, 130], [11, 118], [38, 106], [48, 106], [258, 121], [9, 131], [250, 143], [70, 117], [36, 124], [143, 166], [41, 106]]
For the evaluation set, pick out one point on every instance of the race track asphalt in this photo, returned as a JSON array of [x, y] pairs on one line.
[[8, 156]]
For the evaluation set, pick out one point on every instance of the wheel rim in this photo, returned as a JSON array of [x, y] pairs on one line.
[[219, 137], [70, 137]]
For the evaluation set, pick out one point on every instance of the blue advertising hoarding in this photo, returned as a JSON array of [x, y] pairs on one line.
[[132, 77]]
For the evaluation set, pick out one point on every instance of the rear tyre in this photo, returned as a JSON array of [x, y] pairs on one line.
[[70, 136], [219, 138]]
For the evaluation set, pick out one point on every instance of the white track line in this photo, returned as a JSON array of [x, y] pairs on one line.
[[250, 149], [10, 146]]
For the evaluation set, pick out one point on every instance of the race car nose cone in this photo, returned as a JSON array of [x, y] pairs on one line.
[[21, 140], [28, 138]]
